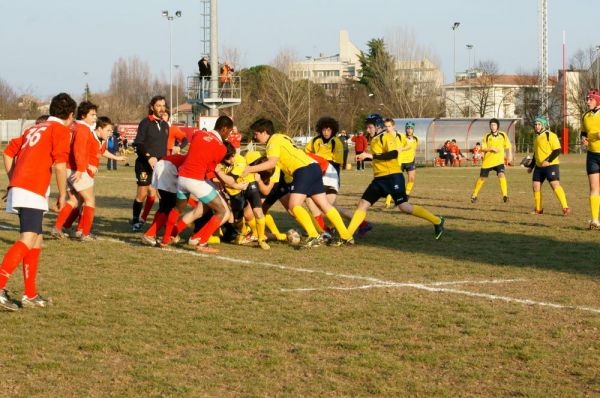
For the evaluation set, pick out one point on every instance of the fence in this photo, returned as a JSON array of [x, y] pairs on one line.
[[10, 129]]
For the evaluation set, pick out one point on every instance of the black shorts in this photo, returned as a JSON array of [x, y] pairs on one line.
[[592, 164], [167, 201], [30, 220], [381, 187], [279, 190], [143, 172], [498, 169], [252, 196], [550, 173], [237, 205], [308, 180], [409, 166]]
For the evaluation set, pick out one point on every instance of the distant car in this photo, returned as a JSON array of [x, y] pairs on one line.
[[301, 140]]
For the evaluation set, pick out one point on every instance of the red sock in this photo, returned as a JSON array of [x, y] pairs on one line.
[[148, 206], [181, 226], [159, 221], [171, 221], [320, 221], [87, 219], [30, 266], [208, 229], [72, 217], [11, 261], [192, 202], [362, 224], [63, 216]]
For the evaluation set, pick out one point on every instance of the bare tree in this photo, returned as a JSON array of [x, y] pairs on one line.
[[8, 101], [481, 96]]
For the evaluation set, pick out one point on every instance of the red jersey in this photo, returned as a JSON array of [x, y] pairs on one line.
[[176, 159], [205, 153], [42, 145], [13, 147], [175, 133], [85, 148], [454, 149], [323, 163], [360, 142]]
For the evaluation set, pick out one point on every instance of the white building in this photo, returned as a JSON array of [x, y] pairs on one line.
[[500, 96]]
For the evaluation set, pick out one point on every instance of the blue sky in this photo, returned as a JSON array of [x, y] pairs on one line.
[[47, 45]]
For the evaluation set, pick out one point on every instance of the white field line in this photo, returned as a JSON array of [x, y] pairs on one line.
[[403, 284], [375, 282]]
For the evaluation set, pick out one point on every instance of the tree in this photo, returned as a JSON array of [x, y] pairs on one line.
[[481, 98], [8, 101]]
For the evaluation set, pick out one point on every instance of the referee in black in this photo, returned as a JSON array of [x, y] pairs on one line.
[[150, 145]]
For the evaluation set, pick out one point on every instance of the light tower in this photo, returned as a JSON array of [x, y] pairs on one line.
[[543, 53]]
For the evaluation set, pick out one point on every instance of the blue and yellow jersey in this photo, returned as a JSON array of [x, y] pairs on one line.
[[408, 156], [591, 125], [499, 141], [382, 143], [289, 158], [332, 150], [234, 170], [543, 145]]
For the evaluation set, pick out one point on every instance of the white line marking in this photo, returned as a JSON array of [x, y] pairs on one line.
[[406, 284], [375, 282]]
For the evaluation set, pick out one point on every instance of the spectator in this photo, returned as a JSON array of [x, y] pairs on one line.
[[477, 153], [205, 74], [344, 138], [446, 154], [457, 155], [360, 146], [225, 73], [112, 145], [235, 138]]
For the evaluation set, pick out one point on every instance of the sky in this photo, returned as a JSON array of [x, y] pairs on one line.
[[46, 46]]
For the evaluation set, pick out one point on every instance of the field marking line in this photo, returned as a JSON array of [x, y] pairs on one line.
[[374, 281]]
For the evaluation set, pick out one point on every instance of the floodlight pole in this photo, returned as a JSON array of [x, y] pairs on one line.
[[170, 18], [454, 27]]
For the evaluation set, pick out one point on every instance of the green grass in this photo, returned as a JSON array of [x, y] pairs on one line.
[[130, 320]]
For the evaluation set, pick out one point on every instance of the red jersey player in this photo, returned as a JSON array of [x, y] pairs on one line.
[[29, 171]]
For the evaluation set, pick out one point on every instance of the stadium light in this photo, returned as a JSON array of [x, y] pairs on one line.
[[170, 18], [454, 27]]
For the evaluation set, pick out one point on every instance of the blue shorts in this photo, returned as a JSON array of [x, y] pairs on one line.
[[498, 169], [381, 187], [30, 220], [550, 173], [409, 166], [592, 164], [308, 180]]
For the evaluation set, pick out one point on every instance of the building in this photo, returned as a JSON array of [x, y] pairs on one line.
[[330, 71], [487, 96]]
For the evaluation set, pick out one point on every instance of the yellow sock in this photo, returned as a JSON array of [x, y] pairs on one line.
[[388, 201], [420, 212], [305, 220], [357, 219], [214, 240], [270, 223], [478, 186], [260, 228], [595, 207], [334, 216], [503, 186], [409, 187], [538, 200], [252, 224], [562, 198]]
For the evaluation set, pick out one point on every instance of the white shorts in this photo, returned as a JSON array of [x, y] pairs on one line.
[[164, 176], [19, 197], [85, 182], [201, 189], [331, 178]]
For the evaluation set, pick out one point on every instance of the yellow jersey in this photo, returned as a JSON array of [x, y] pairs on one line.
[[382, 143], [332, 150], [499, 141], [235, 170], [591, 125], [543, 145], [289, 158], [408, 156]]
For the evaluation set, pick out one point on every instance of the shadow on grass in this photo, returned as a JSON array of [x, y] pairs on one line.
[[494, 248]]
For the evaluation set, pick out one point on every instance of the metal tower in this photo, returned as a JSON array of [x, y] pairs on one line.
[[543, 54], [205, 14]]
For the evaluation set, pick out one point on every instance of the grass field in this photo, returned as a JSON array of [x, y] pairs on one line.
[[506, 304]]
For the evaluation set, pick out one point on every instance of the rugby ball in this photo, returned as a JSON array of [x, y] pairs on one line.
[[293, 237]]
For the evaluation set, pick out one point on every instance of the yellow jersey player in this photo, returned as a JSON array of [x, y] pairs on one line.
[[407, 158], [390, 127], [544, 165], [384, 148], [591, 140], [495, 146], [306, 180]]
